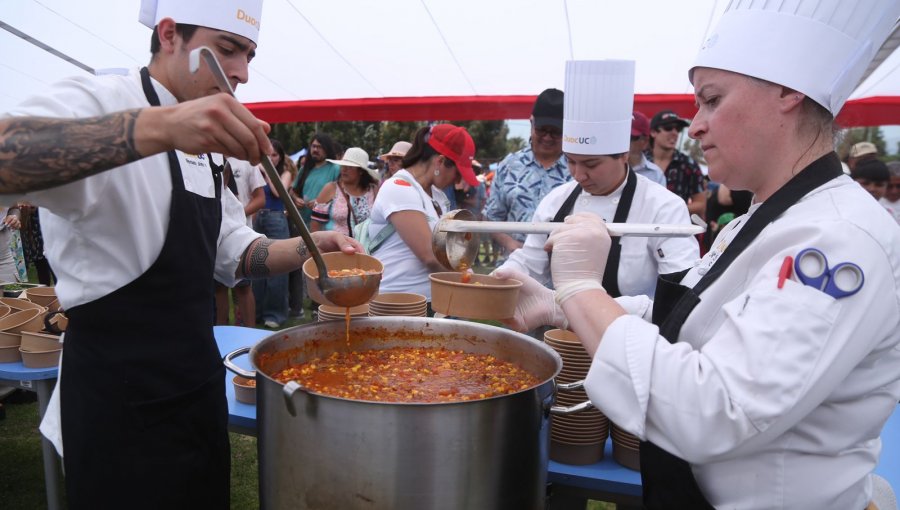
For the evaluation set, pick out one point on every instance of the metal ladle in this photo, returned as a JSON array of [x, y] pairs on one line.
[[346, 291], [455, 246]]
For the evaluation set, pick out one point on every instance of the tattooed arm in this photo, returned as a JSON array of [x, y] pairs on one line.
[[32, 156], [266, 257], [38, 153]]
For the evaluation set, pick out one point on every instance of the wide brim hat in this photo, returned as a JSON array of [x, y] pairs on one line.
[[356, 157], [398, 150]]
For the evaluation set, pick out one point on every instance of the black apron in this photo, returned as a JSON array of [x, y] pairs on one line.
[[144, 415], [668, 481], [611, 272]]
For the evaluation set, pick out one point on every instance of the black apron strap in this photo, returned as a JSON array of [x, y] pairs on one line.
[[822, 170], [611, 271], [668, 481]]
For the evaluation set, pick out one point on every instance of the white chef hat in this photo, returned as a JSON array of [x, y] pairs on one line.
[[818, 47], [599, 97], [239, 17]]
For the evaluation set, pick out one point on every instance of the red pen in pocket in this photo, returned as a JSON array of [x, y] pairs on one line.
[[787, 268]]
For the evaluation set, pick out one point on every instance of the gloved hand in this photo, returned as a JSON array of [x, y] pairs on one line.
[[579, 249], [537, 304]]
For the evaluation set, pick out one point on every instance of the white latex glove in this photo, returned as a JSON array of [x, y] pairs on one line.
[[537, 304], [641, 306], [579, 249]]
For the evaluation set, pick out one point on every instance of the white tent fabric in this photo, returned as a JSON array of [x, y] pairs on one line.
[[355, 49]]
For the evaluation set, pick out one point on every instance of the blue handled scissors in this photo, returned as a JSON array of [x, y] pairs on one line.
[[842, 280]]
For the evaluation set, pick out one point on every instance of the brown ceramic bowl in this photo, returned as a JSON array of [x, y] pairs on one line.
[[243, 391], [19, 304], [8, 339], [337, 261], [484, 297], [10, 354], [16, 322], [40, 359], [41, 295], [578, 455], [33, 341], [627, 456]]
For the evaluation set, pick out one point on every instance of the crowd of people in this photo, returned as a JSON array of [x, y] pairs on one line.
[[747, 384]]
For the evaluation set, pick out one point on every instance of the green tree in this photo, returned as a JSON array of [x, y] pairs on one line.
[[378, 137]]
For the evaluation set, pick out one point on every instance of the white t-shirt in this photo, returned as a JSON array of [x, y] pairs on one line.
[[247, 178], [403, 271], [102, 232]]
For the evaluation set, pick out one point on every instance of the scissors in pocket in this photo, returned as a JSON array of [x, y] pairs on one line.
[[842, 280]]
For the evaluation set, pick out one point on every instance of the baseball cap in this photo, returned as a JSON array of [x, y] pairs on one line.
[[455, 143], [640, 124], [863, 148], [667, 117], [548, 109]]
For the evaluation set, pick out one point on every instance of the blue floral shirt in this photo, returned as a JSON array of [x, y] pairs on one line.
[[519, 185]]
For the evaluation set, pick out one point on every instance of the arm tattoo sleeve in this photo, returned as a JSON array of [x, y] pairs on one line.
[[38, 153], [254, 259]]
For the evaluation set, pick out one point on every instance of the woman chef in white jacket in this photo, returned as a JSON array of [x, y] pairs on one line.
[[596, 139], [757, 390]]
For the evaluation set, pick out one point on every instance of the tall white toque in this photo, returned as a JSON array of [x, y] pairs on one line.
[[239, 17], [818, 47], [599, 98]]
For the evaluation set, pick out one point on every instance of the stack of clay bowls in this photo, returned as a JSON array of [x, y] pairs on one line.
[[23, 336], [392, 304], [577, 438], [331, 313], [626, 448]]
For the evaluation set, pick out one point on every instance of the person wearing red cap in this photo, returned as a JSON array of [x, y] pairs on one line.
[[408, 206], [640, 140]]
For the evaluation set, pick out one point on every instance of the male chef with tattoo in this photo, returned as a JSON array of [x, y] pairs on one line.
[[137, 224]]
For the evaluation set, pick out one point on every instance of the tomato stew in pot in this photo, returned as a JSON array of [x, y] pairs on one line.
[[409, 374]]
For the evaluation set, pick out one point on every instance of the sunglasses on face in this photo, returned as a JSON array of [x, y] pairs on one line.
[[670, 127], [554, 133]]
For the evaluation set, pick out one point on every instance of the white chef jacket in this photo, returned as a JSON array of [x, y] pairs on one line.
[[102, 232], [642, 258], [775, 396]]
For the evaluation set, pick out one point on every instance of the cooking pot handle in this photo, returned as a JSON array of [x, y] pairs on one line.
[[249, 374], [577, 408], [289, 389]]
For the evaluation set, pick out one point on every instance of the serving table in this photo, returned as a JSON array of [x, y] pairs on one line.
[[41, 381], [571, 485]]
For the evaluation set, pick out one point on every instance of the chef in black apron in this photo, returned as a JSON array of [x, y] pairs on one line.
[[596, 139], [757, 388], [141, 398]]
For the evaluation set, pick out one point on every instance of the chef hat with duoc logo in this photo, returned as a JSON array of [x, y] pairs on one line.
[[818, 47], [599, 97], [239, 17]]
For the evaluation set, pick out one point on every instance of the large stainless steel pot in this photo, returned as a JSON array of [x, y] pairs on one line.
[[319, 452]]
